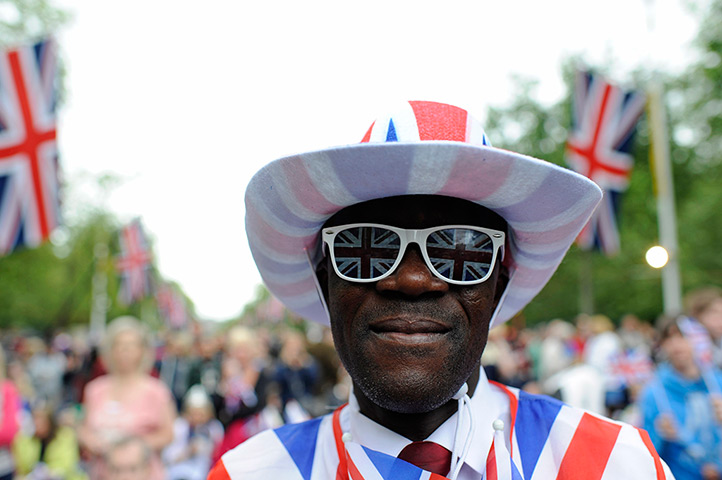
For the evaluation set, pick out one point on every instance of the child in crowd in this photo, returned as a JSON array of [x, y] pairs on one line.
[[50, 452], [197, 433]]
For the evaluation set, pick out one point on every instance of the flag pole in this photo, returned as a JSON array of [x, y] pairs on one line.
[[664, 190], [99, 305]]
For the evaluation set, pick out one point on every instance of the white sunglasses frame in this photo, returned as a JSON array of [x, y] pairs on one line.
[[417, 236]]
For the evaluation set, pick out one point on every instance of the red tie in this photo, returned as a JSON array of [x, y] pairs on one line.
[[428, 456]]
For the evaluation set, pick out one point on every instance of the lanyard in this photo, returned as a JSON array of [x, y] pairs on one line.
[[346, 466]]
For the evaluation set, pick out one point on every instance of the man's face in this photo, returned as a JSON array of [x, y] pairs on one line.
[[410, 340]]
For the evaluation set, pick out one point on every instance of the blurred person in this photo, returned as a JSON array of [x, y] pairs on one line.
[[296, 375], [197, 434], [174, 367], [76, 376], [679, 411], [242, 391], [632, 334], [46, 368], [497, 359], [9, 420], [582, 332], [50, 452], [127, 401], [556, 352], [705, 305], [602, 346], [128, 458], [206, 367], [328, 362], [18, 375], [522, 341], [72, 378], [579, 385]]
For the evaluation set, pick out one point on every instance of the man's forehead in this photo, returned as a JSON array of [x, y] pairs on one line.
[[418, 211]]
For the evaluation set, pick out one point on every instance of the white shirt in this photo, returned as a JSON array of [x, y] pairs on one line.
[[487, 405]]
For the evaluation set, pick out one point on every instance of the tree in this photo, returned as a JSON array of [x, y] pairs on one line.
[[27, 20]]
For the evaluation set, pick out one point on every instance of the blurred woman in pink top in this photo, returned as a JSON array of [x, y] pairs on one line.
[[128, 401]]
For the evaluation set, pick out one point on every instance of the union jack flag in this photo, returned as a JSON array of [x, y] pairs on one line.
[[604, 120], [632, 367], [366, 252], [172, 306], [499, 465], [134, 263], [456, 257], [29, 200]]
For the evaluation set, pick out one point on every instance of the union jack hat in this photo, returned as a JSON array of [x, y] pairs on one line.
[[423, 148]]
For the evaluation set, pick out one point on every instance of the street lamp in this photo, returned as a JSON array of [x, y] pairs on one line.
[[657, 257]]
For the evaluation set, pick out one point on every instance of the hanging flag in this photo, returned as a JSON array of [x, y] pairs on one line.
[[604, 120], [29, 201], [172, 306], [134, 263]]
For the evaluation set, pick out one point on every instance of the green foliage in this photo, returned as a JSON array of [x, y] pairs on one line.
[[50, 287], [695, 101], [28, 20]]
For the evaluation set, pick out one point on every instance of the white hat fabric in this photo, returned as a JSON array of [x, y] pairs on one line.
[[424, 148]]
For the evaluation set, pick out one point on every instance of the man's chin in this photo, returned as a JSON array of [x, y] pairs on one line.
[[407, 395]]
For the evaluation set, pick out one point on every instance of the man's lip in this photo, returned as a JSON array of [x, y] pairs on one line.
[[409, 326]]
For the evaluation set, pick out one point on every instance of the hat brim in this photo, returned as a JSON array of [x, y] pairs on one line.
[[289, 200]]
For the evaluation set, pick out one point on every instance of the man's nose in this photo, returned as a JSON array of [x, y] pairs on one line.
[[412, 277]]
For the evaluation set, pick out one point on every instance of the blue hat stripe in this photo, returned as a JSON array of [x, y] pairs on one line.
[[391, 132]]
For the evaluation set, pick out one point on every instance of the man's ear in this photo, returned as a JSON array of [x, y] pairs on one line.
[[322, 277]]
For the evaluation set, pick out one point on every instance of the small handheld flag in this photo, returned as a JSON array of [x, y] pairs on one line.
[[698, 336], [633, 367]]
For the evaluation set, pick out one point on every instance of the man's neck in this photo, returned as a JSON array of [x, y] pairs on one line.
[[414, 426]]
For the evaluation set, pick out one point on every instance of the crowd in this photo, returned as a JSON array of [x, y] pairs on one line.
[[141, 407]]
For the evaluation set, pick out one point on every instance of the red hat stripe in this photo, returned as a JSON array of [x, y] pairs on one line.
[[367, 137], [453, 126]]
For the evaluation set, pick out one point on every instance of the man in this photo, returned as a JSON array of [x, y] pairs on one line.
[[413, 244]]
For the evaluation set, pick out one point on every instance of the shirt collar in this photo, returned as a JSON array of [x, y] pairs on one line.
[[487, 405]]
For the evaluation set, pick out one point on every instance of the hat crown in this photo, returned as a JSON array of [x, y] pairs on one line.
[[419, 121]]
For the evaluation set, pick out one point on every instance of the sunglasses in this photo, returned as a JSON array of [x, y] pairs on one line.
[[457, 254]]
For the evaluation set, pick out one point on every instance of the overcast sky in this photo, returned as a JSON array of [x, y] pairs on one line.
[[184, 101]]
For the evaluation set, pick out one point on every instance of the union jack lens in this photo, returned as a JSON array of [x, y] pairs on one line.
[[461, 255]]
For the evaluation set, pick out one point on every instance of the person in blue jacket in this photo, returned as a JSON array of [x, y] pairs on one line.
[[682, 409]]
